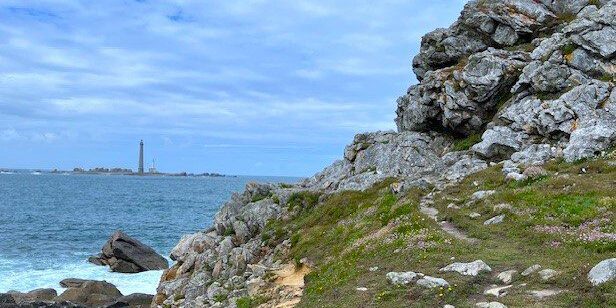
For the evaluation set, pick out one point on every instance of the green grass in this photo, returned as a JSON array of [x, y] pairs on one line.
[[568, 49], [220, 298], [566, 17], [338, 235], [229, 232], [250, 302], [545, 96], [608, 78], [527, 47], [595, 2], [466, 143], [258, 198], [567, 200], [303, 200]]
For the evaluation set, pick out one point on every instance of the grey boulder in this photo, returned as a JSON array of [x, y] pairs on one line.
[[137, 300], [35, 295], [125, 254], [401, 278], [603, 272], [6, 298], [91, 293], [467, 269]]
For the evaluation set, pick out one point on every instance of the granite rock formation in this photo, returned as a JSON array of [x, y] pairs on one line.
[[534, 78], [125, 254]]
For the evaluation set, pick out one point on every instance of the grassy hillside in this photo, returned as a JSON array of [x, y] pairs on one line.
[[558, 221]]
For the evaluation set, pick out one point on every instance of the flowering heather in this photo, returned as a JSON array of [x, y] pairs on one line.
[[589, 231]]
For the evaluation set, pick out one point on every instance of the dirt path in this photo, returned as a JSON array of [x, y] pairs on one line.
[[287, 289], [426, 207]]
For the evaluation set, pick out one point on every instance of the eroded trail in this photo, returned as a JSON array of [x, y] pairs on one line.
[[426, 207], [286, 292]]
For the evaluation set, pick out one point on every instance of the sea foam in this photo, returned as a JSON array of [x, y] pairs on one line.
[[20, 276]]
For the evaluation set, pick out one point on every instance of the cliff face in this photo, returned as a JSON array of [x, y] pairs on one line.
[[516, 82], [521, 72]]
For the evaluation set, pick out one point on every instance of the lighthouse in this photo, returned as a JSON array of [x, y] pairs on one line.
[[140, 170]]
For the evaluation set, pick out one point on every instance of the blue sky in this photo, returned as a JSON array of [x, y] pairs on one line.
[[259, 87]]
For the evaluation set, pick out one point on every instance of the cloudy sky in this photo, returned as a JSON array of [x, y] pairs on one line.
[[258, 87]]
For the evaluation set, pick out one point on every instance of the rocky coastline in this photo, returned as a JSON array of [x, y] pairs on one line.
[[512, 84], [79, 293], [122, 254], [510, 87]]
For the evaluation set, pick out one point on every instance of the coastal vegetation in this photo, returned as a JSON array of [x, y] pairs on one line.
[[561, 221]]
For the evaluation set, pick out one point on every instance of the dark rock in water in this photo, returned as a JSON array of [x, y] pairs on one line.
[[91, 293], [6, 298], [73, 282], [34, 295], [98, 260], [41, 294], [125, 254], [139, 300], [122, 266]]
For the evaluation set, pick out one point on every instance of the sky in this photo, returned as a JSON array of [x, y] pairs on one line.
[[246, 87]]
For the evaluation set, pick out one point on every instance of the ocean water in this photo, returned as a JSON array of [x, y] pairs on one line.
[[51, 223]]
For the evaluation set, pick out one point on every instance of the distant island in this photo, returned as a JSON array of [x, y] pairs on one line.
[[125, 171], [141, 171]]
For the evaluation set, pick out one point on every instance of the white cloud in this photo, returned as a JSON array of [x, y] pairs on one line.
[[9, 135], [12, 135], [44, 137]]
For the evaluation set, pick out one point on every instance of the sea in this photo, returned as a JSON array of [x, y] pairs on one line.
[[51, 223]]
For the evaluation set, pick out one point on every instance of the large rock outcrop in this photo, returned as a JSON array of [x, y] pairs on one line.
[[461, 98], [220, 262], [91, 293], [550, 83], [533, 78], [125, 254]]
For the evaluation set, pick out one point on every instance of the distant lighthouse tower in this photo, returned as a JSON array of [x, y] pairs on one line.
[[140, 171]]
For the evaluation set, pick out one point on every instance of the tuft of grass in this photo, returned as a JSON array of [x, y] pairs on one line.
[[546, 96], [568, 49], [258, 198], [229, 232], [466, 143], [608, 77], [566, 17], [250, 301], [304, 200], [285, 185], [295, 238], [527, 47], [219, 298]]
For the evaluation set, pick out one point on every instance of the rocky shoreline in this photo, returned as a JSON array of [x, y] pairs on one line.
[[511, 84], [78, 293], [121, 253]]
